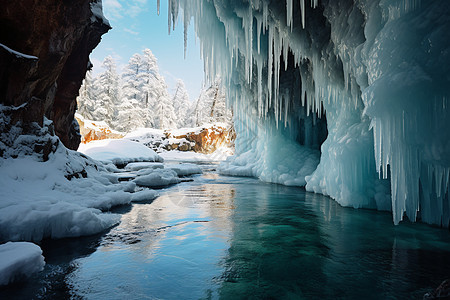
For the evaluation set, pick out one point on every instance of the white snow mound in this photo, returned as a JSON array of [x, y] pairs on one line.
[[119, 152], [19, 260]]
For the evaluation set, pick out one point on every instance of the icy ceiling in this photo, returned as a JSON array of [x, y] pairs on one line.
[[365, 81]]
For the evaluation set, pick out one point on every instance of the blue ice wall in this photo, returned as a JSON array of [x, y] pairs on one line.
[[377, 69]]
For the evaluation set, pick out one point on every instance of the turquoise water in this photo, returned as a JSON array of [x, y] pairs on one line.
[[238, 238]]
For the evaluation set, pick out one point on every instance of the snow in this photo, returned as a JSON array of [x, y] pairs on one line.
[[38, 201], [97, 12], [185, 169], [377, 69], [144, 195], [145, 135], [157, 178], [18, 54], [19, 260], [220, 154], [143, 165], [69, 195], [119, 152]]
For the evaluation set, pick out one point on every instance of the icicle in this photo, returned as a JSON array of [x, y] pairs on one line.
[[260, 100], [270, 65], [158, 5], [185, 32], [289, 13], [265, 16], [258, 34], [302, 7], [169, 17]]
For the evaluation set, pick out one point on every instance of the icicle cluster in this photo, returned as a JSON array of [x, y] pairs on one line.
[[377, 69]]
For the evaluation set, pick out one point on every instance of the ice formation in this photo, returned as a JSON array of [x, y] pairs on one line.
[[374, 73]]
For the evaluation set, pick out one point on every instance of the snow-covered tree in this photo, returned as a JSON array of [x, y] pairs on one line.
[[132, 87], [211, 105], [130, 116], [108, 97], [155, 95], [181, 104], [141, 98], [86, 98]]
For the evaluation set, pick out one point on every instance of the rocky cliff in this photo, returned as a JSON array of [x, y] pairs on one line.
[[44, 56]]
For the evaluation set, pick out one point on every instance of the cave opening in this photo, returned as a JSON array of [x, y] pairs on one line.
[[307, 124]]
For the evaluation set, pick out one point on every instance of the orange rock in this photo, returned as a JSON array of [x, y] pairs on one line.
[[93, 131]]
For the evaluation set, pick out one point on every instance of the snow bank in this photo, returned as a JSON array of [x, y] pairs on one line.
[[19, 260], [119, 152], [39, 200]]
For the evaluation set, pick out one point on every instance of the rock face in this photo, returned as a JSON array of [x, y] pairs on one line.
[[94, 131], [44, 56]]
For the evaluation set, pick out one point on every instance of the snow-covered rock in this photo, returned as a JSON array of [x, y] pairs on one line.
[[119, 152], [157, 178], [143, 165], [185, 169], [203, 139], [144, 195], [95, 130], [19, 260]]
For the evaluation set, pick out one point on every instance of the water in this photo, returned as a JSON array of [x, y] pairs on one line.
[[238, 238]]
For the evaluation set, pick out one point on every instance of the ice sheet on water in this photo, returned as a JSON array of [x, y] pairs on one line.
[[19, 260]]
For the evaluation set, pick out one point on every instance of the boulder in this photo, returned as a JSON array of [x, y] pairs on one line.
[[95, 131]]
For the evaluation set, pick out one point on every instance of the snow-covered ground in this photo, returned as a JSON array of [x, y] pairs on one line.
[[71, 193]]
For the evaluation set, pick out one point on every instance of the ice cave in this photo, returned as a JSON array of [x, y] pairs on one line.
[[327, 177], [364, 82]]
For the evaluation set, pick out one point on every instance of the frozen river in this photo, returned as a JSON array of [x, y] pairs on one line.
[[239, 238]]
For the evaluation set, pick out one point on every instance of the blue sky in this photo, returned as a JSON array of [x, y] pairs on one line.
[[136, 26]]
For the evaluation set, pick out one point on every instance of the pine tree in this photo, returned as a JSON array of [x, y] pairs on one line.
[[156, 97], [181, 104], [86, 99], [108, 98], [211, 105], [131, 85]]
